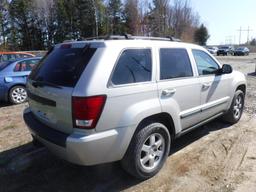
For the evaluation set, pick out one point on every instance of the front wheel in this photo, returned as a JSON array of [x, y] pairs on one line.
[[148, 151], [236, 109], [17, 95]]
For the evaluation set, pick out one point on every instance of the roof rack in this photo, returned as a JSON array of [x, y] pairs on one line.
[[130, 37]]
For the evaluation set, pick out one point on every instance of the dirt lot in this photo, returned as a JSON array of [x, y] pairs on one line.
[[216, 157]]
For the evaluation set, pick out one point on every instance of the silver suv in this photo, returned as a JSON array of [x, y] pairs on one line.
[[99, 101]]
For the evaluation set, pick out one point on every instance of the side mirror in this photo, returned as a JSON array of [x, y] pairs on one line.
[[226, 69]]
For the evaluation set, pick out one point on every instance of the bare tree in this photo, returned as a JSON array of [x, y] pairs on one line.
[[183, 20]]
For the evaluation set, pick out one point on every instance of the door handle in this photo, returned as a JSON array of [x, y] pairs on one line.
[[168, 92], [206, 85]]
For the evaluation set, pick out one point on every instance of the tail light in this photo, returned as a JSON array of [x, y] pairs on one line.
[[87, 110]]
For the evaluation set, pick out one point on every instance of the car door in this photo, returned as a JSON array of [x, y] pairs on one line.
[[215, 87], [179, 88]]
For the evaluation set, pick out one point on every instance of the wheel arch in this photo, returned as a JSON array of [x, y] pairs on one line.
[[241, 87], [163, 118]]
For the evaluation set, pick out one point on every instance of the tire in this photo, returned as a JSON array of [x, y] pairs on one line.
[[150, 144], [236, 109], [18, 94]]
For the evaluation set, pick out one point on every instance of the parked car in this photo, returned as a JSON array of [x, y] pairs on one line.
[[11, 56], [13, 78], [242, 51], [100, 101], [225, 50], [212, 50]]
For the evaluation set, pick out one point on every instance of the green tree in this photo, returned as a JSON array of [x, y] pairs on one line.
[[101, 18], [201, 35], [158, 18], [86, 18], [25, 23], [115, 13], [131, 17], [3, 23]]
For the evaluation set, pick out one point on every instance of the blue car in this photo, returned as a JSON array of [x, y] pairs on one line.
[[13, 78]]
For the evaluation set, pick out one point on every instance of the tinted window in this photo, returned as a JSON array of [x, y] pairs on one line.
[[63, 66], [205, 63], [174, 63], [133, 66]]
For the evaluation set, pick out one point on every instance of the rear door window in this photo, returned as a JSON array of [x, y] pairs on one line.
[[63, 66], [26, 65], [133, 66], [174, 63]]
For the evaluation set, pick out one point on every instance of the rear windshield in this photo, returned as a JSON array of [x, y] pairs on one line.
[[63, 66]]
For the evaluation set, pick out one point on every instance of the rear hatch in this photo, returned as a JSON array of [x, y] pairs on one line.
[[51, 83]]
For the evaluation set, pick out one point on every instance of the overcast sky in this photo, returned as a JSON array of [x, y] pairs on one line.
[[223, 18]]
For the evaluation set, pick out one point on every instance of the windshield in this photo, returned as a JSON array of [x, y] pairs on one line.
[[63, 66], [224, 48]]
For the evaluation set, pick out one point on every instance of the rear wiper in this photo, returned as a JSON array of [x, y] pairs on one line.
[[44, 83]]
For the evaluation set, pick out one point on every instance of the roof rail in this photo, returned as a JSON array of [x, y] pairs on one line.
[[130, 37]]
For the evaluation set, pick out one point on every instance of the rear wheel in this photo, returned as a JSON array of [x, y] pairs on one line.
[[148, 151], [236, 109], [18, 94]]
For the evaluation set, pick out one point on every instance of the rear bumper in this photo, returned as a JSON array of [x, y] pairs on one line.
[[78, 148]]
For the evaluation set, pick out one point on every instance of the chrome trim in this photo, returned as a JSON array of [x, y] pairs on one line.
[[215, 103], [198, 125], [204, 107]]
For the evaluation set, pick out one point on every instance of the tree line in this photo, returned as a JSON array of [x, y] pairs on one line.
[[39, 24]]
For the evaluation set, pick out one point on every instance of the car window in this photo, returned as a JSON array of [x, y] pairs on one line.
[[30, 64], [174, 63], [17, 67], [23, 55], [27, 65], [133, 66], [63, 66], [8, 57], [205, 63]]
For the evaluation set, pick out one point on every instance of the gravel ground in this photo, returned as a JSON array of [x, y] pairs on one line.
[[216, 157]]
